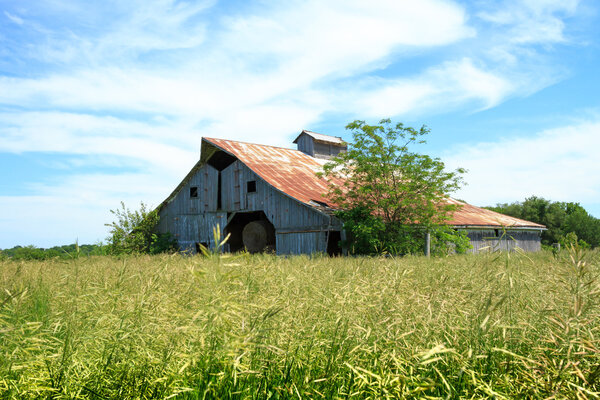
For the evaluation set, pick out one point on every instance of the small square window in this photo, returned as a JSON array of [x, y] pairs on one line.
[[194, 191], [251, 186]]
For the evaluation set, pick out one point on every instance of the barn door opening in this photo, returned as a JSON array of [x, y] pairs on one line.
[[250, 230], [333, 243]]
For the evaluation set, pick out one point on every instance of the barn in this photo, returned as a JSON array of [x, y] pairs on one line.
[[269, 198]]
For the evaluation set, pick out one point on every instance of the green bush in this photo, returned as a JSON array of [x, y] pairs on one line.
[[134, 232], [368, 234], [446, 240]]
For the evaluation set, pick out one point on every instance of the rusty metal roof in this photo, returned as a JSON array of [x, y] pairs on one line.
[[293, 173], [290, 171], [321, 138], [469, 215]]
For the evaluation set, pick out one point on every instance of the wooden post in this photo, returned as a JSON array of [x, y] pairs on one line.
[[343, 238], [428, 244]]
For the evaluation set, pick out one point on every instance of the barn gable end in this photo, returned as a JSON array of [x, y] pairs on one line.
[[235, 196]]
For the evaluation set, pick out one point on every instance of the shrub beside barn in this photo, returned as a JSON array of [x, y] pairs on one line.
[[269, 198]]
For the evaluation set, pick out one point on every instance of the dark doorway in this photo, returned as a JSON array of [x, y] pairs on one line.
[[240, 221], [333, 243]]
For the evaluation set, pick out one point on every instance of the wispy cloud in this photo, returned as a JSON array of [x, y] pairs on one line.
[[531, 21], [446, 86], [559, 164], [17, 20]]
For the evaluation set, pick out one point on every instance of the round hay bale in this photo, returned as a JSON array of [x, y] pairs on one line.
[[254, 236]]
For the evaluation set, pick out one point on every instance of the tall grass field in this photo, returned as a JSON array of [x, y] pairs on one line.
[[499, 325]]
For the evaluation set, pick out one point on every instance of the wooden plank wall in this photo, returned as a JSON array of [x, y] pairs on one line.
[[301, 242], [306, 144], [283, 212], [326, 150], [189, 219], [198, 228], [484, 239]]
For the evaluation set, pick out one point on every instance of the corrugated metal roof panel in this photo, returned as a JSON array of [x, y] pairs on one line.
[[294, 173], [470, 215], [290, 171]]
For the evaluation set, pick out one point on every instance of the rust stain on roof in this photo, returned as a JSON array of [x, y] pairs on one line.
[[470, 215], [294, 173], [290, 171]]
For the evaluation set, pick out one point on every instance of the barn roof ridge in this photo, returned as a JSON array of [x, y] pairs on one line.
[[251, 143]]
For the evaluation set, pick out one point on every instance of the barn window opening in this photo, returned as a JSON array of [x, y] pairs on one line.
[[194, 191], [221, 160], [497, 232], [251, 186]]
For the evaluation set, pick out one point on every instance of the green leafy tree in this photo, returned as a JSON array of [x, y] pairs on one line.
[[134, 231], [389, 195], [580, 222]]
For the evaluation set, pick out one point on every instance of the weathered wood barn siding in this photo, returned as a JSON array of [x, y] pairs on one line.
[[191, 219], [298, 228], [315, 148], [298, 242], [306, 144], [528, 240]]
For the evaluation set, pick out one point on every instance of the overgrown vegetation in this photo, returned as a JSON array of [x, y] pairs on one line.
[[499, 325], [66, 252], [369, 234], [134, 232], [559, 217], [389, 195]]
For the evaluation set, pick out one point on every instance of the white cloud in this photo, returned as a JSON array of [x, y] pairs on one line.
[[316, 38], [559, 164], [250, 60], [169, 147], [443, 87], [531, 21]]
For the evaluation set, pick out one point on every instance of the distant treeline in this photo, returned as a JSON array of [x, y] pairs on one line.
[[559, 217], [67, 251]]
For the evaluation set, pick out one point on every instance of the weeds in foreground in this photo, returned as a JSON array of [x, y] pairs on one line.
[[494, 325]]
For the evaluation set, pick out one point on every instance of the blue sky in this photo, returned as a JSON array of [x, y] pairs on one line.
[[102, 101]]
